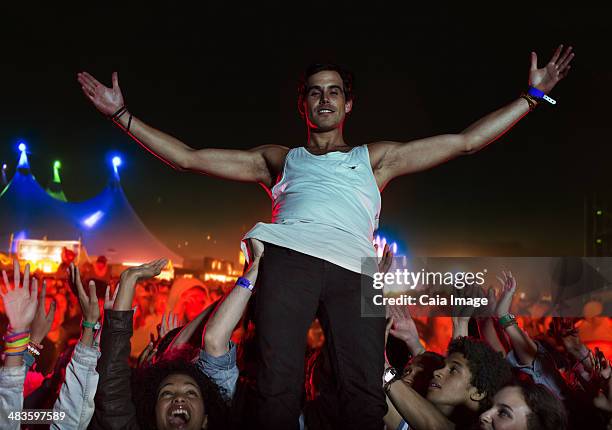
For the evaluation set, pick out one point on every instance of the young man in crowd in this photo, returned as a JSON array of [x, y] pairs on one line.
[[326, 206], [458, 392]]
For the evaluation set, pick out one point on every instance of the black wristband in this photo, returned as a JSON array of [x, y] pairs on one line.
[[127, 129], [120, 111]]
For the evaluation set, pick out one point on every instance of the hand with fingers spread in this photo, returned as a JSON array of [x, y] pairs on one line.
[[556, 69], [106, 100], [508, 283], [169, 322], [404, 328], [42, 320], [20, 303]]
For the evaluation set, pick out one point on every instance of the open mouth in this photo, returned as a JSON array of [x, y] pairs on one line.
[[321, 111], [434, 386], [179, 417]]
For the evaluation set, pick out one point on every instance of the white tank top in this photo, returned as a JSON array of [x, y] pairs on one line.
[[326, 206]]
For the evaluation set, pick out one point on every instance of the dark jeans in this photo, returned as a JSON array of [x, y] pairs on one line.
[[292, 289]]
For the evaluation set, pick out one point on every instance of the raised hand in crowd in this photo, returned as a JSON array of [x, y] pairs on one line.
[[402, 327], [523, 346], [89, 305], [108, 300], [486, 321], [130, 277], [386, 260], [41, 325], [169, 322], [508, 288], [461, 314], [20, 304]]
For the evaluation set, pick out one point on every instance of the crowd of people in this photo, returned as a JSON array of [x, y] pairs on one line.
[[69, 348]]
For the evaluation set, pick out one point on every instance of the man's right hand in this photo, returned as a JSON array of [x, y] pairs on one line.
[[106, 100]]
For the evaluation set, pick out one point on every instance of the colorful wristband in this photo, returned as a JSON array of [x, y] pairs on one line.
[[16, 336], [534, 92], [18, 343], [507, 320], [15, 350], [33, 350], [245, 283], [94, 326]]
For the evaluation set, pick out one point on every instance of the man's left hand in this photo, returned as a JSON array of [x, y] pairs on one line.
[[557, 68]]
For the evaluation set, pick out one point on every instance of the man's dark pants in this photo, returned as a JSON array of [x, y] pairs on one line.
[[292, 288]]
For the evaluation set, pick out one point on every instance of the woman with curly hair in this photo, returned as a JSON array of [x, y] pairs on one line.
[[167, 395]]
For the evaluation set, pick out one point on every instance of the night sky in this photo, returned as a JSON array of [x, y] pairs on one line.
[[225, 76]]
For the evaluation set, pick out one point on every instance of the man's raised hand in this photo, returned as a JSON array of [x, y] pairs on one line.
[[556, 69], [106, 100]]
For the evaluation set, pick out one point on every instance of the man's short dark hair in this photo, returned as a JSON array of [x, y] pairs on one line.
[[346, 75], [490, 370]]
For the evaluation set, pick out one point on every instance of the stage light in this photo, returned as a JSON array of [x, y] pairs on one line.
[[22, 147], [93, 219], [116, 161], [4, 166], [57, 164], [599, 212]]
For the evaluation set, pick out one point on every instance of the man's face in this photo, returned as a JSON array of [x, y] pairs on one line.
[[509, 411], [450, 385], [180, 404], [325, 103]]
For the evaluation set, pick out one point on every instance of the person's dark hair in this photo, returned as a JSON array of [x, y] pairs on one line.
[[146, 382], [490, 370], [430, 360], [547, 410], [346, 75]]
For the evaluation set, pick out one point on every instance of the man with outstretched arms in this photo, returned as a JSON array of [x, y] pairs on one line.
[[325, 209]]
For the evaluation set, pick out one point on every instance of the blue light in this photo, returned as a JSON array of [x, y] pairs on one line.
[[93, 219], [22, 147], [116, 161], [4, 166]]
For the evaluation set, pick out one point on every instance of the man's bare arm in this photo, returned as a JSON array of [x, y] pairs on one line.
[[417, 411], [392, 159], [218, 330], [260, 164]]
